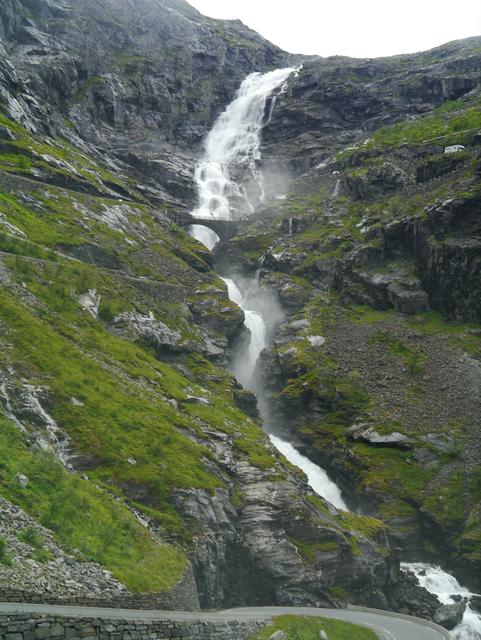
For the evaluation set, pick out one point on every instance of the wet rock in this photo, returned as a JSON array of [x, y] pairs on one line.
[[408, 597], [450, 615], [246, 401], [475, 603]]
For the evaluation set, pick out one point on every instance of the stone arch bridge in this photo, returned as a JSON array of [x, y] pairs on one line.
[[225, 229]]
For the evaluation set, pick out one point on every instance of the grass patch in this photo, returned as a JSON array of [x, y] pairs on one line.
[[444, 121], [34, 540], [413, 359], [303, 628], [83, 518], [309, 550], [369, 527]]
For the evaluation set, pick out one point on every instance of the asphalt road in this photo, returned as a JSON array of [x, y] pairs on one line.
[[387, 625]]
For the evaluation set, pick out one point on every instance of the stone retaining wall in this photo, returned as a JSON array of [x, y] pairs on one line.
[[43, 627], [182, 597]]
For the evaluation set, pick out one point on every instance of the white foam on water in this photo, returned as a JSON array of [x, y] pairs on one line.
[[244, 366], [445, 586], [316, 476]]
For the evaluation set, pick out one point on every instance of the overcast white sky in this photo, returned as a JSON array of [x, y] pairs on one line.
[[360, 28]]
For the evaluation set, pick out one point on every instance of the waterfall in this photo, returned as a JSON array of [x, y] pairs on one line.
[[244, 366], [228, 180], [316, 476]]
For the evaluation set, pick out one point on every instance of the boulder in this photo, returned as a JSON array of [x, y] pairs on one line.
[[197, 400], [367, 434], [407, 298], [278, 635], [450, 615], [151, 329], [475, 603], [90, 302]]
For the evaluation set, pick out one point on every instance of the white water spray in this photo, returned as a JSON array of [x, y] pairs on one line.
[[445, 586], [244, 367], [232, 152]]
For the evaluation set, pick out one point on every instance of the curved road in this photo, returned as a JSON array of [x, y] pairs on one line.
[[387, 625]]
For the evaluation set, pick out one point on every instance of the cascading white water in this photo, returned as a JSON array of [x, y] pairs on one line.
[[316, 476], [445, 586], [244, 367], [232, 146], [204, 235]]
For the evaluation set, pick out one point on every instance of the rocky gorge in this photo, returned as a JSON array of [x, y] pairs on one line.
[[117, 333]]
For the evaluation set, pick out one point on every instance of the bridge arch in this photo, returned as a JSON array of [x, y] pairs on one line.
[[225, 229]]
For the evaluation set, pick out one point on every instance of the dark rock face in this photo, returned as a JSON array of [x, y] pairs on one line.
[[409, 598], [375, 245], [333, 102], [248, 555]]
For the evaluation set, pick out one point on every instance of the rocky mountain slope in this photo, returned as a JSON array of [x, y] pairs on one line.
[[115, 330], [376, 249], [129, 456]]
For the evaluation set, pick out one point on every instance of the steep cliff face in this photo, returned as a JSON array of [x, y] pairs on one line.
[[112, 329], [115, 329], [335, 102]]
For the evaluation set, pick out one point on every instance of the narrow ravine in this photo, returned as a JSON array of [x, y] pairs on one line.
[[230, 186]]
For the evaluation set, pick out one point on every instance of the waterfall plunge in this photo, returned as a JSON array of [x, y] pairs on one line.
[[231, 151]]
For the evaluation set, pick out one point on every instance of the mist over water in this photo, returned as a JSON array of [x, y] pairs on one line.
[[230, 185]]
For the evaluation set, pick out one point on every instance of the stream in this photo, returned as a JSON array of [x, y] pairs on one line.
[[230, 186]]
